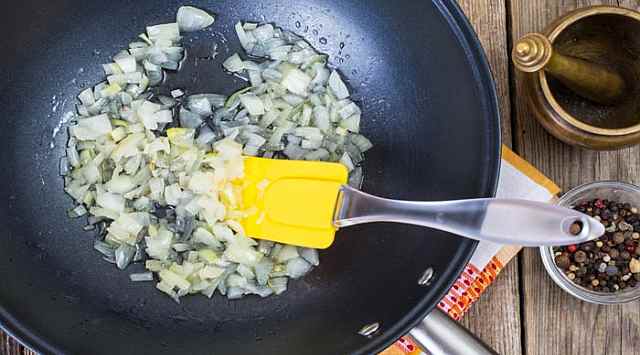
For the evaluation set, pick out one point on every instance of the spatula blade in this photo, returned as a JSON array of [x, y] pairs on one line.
[[292, 202]]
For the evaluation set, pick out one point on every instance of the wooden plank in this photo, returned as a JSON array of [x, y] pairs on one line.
[[8, 346], [495, 318], [554, 322], [489, 20]]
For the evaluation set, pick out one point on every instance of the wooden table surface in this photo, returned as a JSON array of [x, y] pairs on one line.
[[524, 312]]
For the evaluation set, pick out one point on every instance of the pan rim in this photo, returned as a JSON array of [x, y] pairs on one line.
[[468, 39]]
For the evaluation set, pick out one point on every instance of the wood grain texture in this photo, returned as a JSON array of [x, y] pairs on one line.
[[8, 346], [489, 20], [554, 322], [495, 318]]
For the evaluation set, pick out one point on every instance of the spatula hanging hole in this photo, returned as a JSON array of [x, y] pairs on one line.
[[369, 330], [575, 228], [427, 276]]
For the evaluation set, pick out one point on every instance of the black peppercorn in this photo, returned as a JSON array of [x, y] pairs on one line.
[[563, 261], [588, 246], [575, 228], [604, 265], [580, 256]]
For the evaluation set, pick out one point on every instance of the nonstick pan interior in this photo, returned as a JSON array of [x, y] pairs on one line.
[[429, 107]]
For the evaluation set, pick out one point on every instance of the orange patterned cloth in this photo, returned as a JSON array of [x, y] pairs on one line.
[[465, 291], [518, 179]]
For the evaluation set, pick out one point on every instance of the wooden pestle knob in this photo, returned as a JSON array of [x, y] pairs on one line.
[[593, 81]]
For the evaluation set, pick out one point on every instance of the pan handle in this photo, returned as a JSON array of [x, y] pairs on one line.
[[438, 334]]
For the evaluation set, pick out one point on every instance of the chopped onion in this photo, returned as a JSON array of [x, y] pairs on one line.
[[200, 105], [252, 103], [141, 277], [168, 194], [234, 64], [169, 31], [310, 255], [278, 284], [191, 19], [297, 267], [337, 86], [177, 93], [124, 254], [91, 128], [296, 81], [127, 63], [189, 119]]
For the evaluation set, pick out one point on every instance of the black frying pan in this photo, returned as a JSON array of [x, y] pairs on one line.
[[429, 107]]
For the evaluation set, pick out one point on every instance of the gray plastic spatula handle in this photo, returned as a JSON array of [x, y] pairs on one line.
[[503, 221]]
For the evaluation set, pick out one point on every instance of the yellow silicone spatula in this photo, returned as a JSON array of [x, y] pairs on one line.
[[303, 203], [295, 200]]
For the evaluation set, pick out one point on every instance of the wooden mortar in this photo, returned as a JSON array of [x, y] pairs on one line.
[[581, 77]]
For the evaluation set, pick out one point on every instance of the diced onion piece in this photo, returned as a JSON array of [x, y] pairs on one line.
[[201, 235], [191, 19], [252, 103], [278, 285], [181, 137], [120, 184], [159, 246], [287, 253], [86, 97], [177, 93], [202, 182], [163, 116], [111, 68], [347, 162], [127, 63], [112, 201], [234, 64], [337, 86], [264, 32], [91, 128], [174, 280], [169, 31], [200, 105], [247, 41], [240, 251], [296, 81], [361, 142], [172, 194], [297, 267], [127, 147], [351, 123], [189, 119], [141, 277], [146, 112]]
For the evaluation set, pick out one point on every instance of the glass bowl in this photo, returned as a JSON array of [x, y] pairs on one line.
[[610, 190]]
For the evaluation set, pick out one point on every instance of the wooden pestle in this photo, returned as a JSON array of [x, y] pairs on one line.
[[593, 81]]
